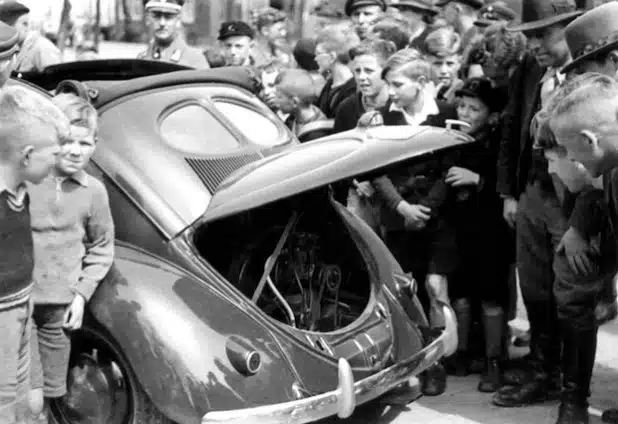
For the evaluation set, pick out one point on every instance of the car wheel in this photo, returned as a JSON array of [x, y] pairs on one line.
[[101, 386]]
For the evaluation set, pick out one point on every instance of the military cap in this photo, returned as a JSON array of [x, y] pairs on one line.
[[352, 5], [423, 6], [10, 11], [235, 28], [170, 6], [496, 11], [477, 4], [8, 41]]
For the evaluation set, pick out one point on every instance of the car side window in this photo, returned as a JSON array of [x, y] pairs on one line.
[[191, 128], [259, 129]]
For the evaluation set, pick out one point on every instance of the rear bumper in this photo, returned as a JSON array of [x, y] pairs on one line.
[[348, 394]]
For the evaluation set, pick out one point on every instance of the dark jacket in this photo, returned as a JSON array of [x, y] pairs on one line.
[[330, 98], [348, 113]]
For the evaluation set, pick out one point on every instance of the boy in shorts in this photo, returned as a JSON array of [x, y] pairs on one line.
[[73, 237]]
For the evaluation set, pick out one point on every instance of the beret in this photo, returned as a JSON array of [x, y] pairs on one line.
[[173, 6], [235, 28], [8, 41], [11, 10], [351, 5]]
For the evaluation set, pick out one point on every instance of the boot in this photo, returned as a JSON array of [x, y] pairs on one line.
[[579, 349], [434, 382], [458, 363], [493, 324]]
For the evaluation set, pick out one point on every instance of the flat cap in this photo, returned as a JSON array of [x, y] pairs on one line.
[[11, 10], [352, 5], [483, 89], [235, 28], [8, 41], [170, 6]]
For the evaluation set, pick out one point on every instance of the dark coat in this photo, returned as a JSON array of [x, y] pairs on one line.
[[348, 113], [331, 98]]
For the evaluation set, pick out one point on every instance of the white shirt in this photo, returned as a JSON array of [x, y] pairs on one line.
[[430, 107]]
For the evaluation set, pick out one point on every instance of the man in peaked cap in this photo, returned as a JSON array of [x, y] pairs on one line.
[[236, 39], [419, 14], [364, 13], [462, 14], [36, 52], [9, 46], [533, 200], [497, 11], [163, 18]]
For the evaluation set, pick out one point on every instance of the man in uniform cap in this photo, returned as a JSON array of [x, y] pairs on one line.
[[35, 51], [364, 13], [533, 203], [419, 14], [236, 39], [163, 18], [497, 11], [593, 44]]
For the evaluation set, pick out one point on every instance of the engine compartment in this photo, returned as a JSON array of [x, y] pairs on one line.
[[295, 258]]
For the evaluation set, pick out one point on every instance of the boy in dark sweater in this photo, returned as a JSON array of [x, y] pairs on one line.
[[30, 127], [73, 237]]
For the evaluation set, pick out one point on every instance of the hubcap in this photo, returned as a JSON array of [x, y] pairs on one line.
[[98, 388]]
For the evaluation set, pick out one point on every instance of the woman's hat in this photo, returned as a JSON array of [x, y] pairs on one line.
[[538, 14], [593, 33], [483, 89]]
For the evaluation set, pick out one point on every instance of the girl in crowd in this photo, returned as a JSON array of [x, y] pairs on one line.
[[484, 240], [413, 197], [368, 59]]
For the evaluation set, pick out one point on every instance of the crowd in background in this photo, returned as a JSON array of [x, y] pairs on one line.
[[460, 221]]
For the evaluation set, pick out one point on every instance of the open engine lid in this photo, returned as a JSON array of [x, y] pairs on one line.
[[308, 166]]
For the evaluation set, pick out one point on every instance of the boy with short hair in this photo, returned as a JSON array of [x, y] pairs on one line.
[[73, 236], [30, 127], [295, 93]]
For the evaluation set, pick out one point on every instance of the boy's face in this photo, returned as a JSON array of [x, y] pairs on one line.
[[285, 102], [578, 148], [236, 49], [573, 174], [363, 18], [76, 151], [324, 59], [367, 73], [474, 112], [445, 69], [39, 159]]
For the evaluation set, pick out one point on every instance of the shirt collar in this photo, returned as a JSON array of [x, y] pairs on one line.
[[430, 107], [80, 177], [19, 195]]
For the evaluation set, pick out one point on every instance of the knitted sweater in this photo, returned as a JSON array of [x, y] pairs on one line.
[[73, 237], [16, 256]]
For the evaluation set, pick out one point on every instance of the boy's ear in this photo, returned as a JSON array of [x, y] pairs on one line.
[[591, 138], [26, 154], [296, 100]]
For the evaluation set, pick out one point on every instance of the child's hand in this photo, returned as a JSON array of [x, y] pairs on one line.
[[74, 315], [461, 176], [577, 251], [414, 216]]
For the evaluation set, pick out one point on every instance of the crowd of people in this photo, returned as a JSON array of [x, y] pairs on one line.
[[534, 195]]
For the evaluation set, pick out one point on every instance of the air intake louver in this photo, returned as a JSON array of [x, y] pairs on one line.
[[213, 171]]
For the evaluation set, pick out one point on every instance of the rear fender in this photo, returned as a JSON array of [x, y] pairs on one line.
[[173, 329]]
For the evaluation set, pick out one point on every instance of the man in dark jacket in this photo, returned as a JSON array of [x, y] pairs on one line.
[[531, 195]]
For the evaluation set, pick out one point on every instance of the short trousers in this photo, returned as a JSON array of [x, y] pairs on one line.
[[51, 349], [14, 361]]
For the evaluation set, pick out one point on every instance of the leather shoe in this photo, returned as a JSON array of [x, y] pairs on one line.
[[491, 379], [434, 383], [529, 393], [610, 416], [573, 413]]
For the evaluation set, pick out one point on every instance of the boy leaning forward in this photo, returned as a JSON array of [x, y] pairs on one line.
[[30, 127]]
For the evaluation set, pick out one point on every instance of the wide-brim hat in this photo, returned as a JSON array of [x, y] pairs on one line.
[[422, 6], [8, 41], [593, 33], [538, 14]]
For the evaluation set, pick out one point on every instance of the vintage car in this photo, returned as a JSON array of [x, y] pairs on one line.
[[243, 291]]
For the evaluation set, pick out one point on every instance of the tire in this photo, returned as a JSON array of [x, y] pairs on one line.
[[102, 387]]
